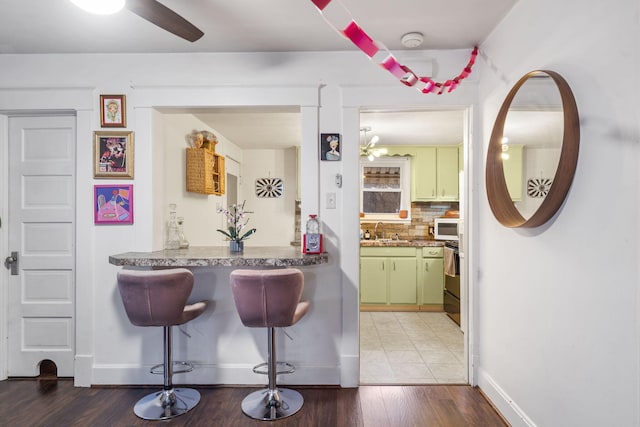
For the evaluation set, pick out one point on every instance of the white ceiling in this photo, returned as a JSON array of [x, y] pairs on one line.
[[57, 26]]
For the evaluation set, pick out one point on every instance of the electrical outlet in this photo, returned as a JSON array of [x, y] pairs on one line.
[[331, 200]]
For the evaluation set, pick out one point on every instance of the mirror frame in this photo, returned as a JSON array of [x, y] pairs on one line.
[[502, 206]]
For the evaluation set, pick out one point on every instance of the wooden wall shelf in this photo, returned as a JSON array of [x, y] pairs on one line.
[[205, 172]]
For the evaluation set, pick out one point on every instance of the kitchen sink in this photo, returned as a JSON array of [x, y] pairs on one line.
[[372, 241]]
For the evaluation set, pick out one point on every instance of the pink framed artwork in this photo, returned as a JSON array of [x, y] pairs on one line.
[[113, 204]]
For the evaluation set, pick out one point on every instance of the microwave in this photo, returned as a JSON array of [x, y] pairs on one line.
[[446, 228]]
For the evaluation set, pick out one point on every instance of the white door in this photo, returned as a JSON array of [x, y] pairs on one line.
[[41, 232], [233, 181]]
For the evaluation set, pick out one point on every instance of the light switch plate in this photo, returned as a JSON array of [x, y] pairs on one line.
[[331, 200]]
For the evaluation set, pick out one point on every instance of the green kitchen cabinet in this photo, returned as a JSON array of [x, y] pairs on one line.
[[388, 275], [447, 173], [435, 174], [402, 281], [432, 275], [373, 280], [423, 172], [512, 166]]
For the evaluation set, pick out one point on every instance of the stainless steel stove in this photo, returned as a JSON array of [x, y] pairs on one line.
[[452, 283]]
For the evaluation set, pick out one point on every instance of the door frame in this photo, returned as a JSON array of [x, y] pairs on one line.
[[358, 98], [42, 102]]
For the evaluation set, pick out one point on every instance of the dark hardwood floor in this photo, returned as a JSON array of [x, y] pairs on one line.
[[56, 403]]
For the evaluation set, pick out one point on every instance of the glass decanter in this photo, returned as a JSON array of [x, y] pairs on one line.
[[184, 243], [173, 231]]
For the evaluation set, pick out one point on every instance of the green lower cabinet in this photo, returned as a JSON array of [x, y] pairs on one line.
[[402, 281], [432, 281], [388, 279], [373, 280], [432, 276]]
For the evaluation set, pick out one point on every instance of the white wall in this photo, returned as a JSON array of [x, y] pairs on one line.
[[274, 218], [557, 307]]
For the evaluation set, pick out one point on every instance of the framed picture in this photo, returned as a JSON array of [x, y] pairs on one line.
[[330, 146], [113, 204], [113, 111], [113, 154]]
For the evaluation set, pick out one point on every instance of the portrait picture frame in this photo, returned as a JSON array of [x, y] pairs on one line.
[[330, 147], [113, 204], [113, 111], [113, 154]]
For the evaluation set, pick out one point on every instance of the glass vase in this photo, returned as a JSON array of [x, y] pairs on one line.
[[235, 246]]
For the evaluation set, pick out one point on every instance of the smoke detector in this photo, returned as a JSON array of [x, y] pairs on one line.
[[413, 39]]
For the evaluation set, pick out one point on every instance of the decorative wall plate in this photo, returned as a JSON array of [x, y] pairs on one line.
[[538, 187], [269, 187]]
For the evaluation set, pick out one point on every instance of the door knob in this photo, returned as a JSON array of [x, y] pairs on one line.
[[11, 263]]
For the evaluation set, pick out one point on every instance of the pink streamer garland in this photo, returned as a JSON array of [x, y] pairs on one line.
[[336, 15]]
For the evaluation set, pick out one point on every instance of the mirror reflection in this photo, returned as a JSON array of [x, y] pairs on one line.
[[531, 142], [533, 150]]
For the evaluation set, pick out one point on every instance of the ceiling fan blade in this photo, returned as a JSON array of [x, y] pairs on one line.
[[165, 18]]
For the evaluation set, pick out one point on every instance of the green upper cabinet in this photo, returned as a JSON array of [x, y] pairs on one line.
[[423, 174], [447, 173], [512, 165], [434, 170], [435, 173]]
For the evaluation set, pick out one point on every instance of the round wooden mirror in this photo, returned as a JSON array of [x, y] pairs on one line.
[[533, 151]]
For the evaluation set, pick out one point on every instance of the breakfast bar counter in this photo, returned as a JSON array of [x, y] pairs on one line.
[[219, 256], [222, 349]]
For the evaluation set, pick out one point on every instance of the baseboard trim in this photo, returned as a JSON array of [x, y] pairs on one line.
[[402, 307], [82, 370], [503, 403], [214, 375]]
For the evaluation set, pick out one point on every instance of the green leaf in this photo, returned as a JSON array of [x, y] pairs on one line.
[[225, 233], [248, 233]]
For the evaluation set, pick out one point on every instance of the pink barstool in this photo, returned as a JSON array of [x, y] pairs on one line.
[[159, 298], [270, 299]]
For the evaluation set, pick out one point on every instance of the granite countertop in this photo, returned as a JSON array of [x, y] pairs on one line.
[[401, 243], [213, 256]]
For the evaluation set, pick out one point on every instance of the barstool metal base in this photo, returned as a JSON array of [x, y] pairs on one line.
[[166, 404], [270, 405]]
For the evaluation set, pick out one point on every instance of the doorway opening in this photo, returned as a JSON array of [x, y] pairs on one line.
[[406, 336]]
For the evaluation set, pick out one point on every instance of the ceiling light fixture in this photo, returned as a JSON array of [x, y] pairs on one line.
[[100, 7], [366, 147], [412, 40]]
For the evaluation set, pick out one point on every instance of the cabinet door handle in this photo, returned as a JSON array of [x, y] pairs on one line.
[[382, 265], [394, 266], [426, 266]]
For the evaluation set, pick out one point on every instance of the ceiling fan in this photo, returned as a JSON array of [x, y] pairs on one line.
[[151, 10], [366, 147]]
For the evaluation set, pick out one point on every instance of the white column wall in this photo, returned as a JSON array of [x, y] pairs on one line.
[[557, 307]]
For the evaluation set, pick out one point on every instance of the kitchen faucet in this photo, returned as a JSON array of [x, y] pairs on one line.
[[375, 230]]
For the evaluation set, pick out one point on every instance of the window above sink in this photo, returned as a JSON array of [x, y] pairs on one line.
[[385, 187]]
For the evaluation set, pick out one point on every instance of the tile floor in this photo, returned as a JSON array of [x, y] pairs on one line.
[[410, 348]]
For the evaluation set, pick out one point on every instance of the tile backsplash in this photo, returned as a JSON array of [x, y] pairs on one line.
[[421, 226]]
